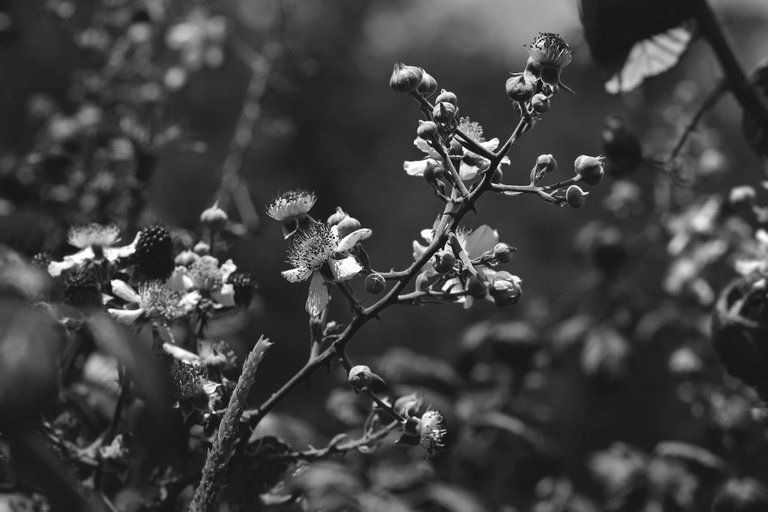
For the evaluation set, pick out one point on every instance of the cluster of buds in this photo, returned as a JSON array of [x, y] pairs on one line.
[[464, 269], [533, 89], [412, 79]]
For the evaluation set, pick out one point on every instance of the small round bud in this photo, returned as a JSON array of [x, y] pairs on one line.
[[544, 164], [202, 248], [502, 252], [447, 97], [428, 84], [505, 289], [540, 103], [214, 218], [575, 196], [444, 112], [361, 377], [590, 168], [519, 88], [337, 216], [476, 288], [347, 225], [433, 172], [456, 149], [375, 283], [428, 131], [444, 261], [186, 258], [405, 78]]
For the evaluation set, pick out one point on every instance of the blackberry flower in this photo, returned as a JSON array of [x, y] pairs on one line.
[[320, 255], [551, 50], [94, 242], [93, 235], [291, 208], [154, 300], [205, 276]]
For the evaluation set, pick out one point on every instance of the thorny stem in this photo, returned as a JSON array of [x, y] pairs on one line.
[[744, 92], [384, 405], [228, 433]]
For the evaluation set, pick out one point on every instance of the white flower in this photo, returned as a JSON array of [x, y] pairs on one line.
[[154, 300], [433, 430], [55, 268], [320, 255], [475, 242], [291, 208], [204, 276], [93, 234], [472, 164]]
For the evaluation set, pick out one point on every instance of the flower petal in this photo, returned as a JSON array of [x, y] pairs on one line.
[[481, 240], [351, 239], [426, 148], [113, 253], [318, 296], [124, 291], [226, 269], [189, 302], [55, 268], [295, 275], [418, 250], [126, 316], [225, 296], [345, 269], [491, 145], [177, 281], [468, 171], [415, 167]]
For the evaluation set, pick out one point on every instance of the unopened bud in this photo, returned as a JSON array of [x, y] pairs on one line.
[[405, 78], [502, 252], [590, 168], [544, 164], [361, 377], [519, 88], [540, 103], [444, 261], [444, 112], [505, 289], [347, 225], [202, 248], [433, 172], [375, 283], [214, 218], [476, 288], [428, 131], [428, 84], [575, 196], [447, 97], [337, 217]]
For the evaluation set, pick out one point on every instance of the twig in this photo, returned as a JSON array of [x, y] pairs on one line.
[[229, 430]]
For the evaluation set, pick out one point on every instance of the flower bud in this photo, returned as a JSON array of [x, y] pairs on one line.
[[540, 103], [544, 165], [519, 88], [476, 288], [186, 258], [505, 289], [428, 84], [433, 172], [361, 377], [202, 248], [447, 97], [444, 112], [502, 252], [590, 168], [337, 217], [375, 283], [214, 218], [575, 196], [405, 78], [347, 225], [621, 146], [428, 131], [444, 261]]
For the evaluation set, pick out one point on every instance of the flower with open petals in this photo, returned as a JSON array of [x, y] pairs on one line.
[[204, 276], [93, 235], [471, 165], [292, 208], [549, 54], [319, 255], [92, 242], [153, 301]]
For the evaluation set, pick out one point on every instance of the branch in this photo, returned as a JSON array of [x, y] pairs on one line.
[[229, 430]]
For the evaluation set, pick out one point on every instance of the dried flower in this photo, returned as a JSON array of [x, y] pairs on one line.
[[433, 430]]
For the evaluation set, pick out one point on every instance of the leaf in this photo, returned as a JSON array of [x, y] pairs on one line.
[[650, 57], [692, 454]]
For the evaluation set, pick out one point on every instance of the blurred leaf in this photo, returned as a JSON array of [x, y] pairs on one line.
[[452, 498], [403, 366], [696, 456], [515, 427], [756, 134]]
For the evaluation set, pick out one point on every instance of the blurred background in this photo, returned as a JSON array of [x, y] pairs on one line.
[[328, 122]]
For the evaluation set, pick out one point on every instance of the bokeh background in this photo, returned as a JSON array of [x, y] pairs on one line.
[[330, 123]]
